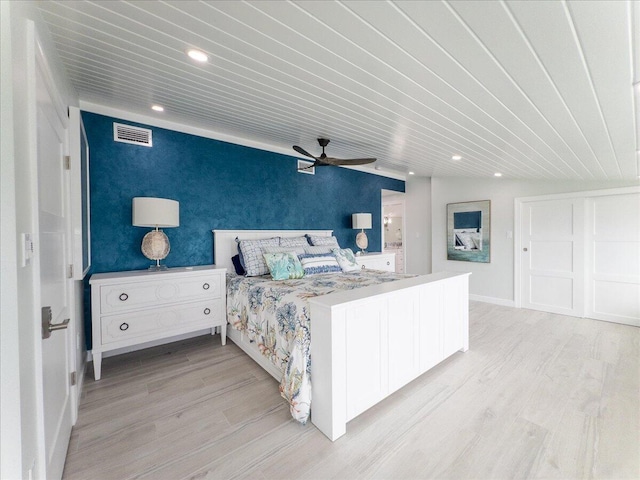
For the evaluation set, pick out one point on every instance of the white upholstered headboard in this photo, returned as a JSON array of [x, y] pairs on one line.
[[225, 246]]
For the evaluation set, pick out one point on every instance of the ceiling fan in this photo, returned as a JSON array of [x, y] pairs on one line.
[[323, 160]]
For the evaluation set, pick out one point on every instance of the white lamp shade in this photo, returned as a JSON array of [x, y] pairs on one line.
[[361, 220], [155, 212]]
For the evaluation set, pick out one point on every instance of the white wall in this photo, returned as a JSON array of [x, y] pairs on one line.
[[492, 281], [20, 309], [417, 239]]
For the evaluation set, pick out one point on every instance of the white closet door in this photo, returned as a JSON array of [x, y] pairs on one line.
[[552, 256], [613, 258]]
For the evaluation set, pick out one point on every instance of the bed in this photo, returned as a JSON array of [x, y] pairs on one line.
[[368, 342]]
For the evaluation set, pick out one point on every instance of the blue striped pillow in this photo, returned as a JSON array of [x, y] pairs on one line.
[[314, 264]]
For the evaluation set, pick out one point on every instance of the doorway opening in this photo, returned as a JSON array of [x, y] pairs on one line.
[[393, 226]]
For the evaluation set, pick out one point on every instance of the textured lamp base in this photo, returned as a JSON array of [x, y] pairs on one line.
[[362, 242], [156, 246]]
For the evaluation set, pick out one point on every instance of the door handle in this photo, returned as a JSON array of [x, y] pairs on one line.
[[525, 249], [47, 326]]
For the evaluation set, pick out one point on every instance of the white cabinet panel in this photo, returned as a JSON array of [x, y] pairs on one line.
[[404, 360], [367, 356], [431, 333]]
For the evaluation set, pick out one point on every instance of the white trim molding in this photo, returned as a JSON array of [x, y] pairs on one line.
[[493, 300]]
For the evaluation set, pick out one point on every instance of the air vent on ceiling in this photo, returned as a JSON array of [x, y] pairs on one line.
[[129, 134]]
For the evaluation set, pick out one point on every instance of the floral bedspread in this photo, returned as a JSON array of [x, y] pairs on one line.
[[275, 314]]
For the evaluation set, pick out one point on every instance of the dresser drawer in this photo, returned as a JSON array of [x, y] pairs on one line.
[[377, 262], [129, 296], [175, 317]]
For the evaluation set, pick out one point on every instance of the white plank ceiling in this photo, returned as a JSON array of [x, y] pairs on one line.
[[530, 89]]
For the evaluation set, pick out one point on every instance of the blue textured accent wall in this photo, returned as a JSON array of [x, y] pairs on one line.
[[219, 185]]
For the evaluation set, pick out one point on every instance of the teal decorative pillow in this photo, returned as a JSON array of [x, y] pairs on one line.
[[283, 265], [346, 259]]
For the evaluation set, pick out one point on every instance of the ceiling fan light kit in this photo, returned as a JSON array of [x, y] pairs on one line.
[[324, 161]]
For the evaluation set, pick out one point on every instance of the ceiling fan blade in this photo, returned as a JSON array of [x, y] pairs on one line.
[[302, 151], [348, 161]]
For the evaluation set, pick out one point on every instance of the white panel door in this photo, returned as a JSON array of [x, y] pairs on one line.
[[613, 258], [552, 256], [52, 233]]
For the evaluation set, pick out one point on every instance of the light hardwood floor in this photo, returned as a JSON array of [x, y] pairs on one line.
[[537, 396]]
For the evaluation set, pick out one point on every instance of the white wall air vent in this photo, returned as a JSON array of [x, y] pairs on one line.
[[130, 134]]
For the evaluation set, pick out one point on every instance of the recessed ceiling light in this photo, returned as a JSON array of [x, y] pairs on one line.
[[411, 173], [456, 157], [198, 56], [157, 108], [497, 174]]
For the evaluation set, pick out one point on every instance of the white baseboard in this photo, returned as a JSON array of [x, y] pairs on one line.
[[496, 301], [154, 343]]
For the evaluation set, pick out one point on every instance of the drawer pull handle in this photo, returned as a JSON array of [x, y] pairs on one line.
[[124, 326], [207, 311], [388, 263], [205, 286], [363, 267], [123, 297]]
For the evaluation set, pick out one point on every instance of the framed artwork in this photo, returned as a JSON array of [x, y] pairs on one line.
[[469, 231]]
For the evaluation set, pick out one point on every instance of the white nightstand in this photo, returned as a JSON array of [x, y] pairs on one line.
[[131, 308], [377, 261]]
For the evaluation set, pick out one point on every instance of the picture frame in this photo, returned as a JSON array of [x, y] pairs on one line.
[[469, 231]]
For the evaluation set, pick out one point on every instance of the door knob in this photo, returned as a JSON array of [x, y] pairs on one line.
[[525, 249], [47, 326]]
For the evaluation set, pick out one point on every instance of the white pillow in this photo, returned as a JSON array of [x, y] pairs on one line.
[[293, 241], [280, 249], [320, 240], [346, 259], [317, 249]]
